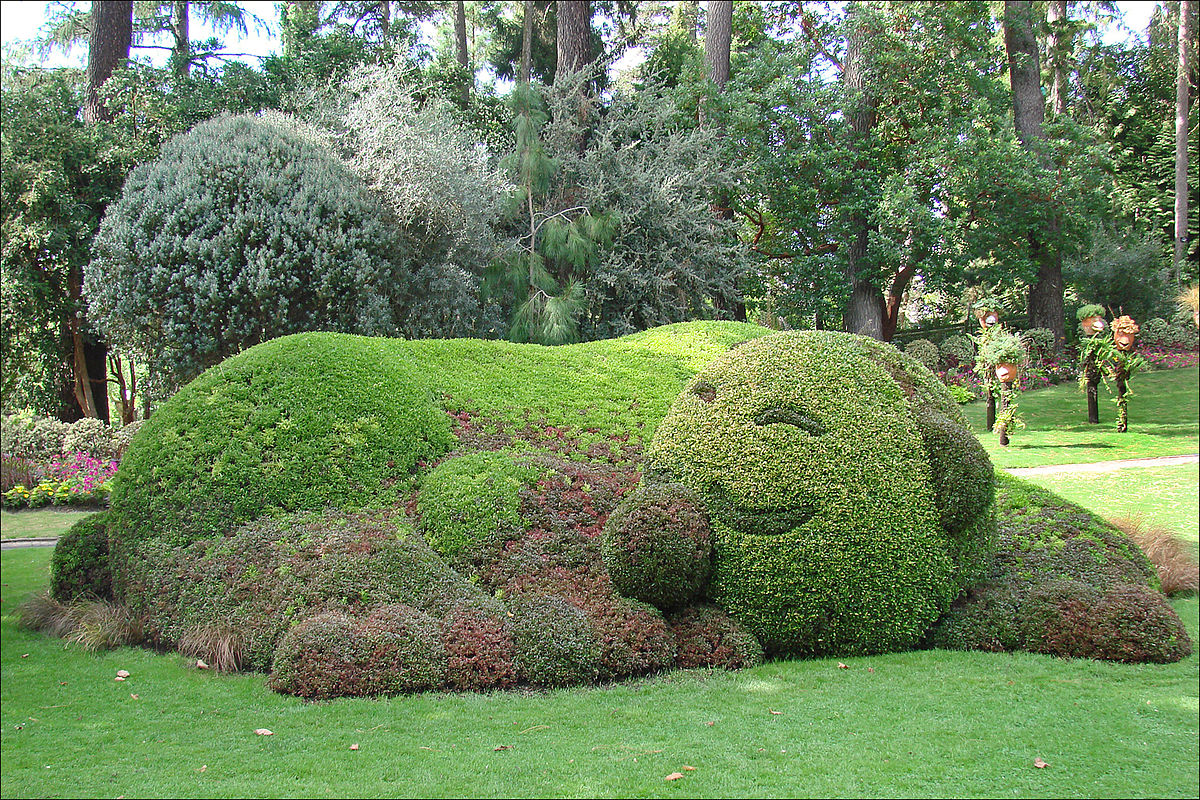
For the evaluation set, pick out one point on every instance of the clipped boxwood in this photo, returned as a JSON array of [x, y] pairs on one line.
[[79, 567], [708, 637], [1064, 582], [298, 423], [807, 451], [555, 643], [471, 499], [657, 546]]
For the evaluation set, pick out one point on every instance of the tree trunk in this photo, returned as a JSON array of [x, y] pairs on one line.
[[460, 40], [528, 10], [864, 311], [718, 34], [108, 48], [1093, 402], [574, 35], [182, 52], [1058, 46], [991, 404], [1187, 32], [385, 18], [1029, 112]]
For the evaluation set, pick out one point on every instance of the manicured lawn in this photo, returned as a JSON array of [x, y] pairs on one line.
[[920, 724], [38, 522], [1166, 496], [1163, 416]]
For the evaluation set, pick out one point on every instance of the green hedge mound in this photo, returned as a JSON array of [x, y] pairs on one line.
[[824, 461], [79, 567], [1067, 583]]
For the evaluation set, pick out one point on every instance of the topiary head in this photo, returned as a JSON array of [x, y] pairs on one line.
[[811, 451]]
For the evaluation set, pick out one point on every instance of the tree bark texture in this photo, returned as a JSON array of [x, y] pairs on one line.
[[1058, 47], [108, 48], [574, 35], [718, 34], [528, 11], [183, 44], [460, 41], [1029, 113], [864, 312], [1187, 46]]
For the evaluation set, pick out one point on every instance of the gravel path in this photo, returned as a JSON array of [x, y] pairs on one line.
[[1098, 466]]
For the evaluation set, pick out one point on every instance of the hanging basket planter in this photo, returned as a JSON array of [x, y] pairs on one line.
[[1007, 373]]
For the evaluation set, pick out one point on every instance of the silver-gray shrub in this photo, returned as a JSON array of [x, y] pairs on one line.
[[672, 259], [440, 184], [243, 229]]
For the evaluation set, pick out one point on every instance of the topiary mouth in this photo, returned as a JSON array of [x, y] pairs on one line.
[[756, 521]]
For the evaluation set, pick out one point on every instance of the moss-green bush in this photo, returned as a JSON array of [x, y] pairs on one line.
[[468, 500], [924, 351], [1064, 582], [957, 349], [807, 451], [79, 566], [658, 546]]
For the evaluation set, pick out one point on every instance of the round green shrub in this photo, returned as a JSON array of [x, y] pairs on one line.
[[634, 638], [469, 500], [79, 567], [657, 546], [242, 229], [299, 423], [396, 649], [707, 637], [957, 350], [1039, 342], [924, 351], [807, 453], [555, 644], [1155, 331], [92, 436]]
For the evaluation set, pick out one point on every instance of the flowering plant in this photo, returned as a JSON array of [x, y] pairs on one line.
[[70, 479]]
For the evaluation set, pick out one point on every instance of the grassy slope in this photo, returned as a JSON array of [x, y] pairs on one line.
[[1163, 417], [38, 522], [924, 723]]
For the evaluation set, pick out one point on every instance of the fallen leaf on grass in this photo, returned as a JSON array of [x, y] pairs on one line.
[[674, 776], [842, 666], [354, 746], [200, 664], [686, 768], [264, 732], [502, 747], [135, 697], [118, 678], [122, 673], [870, 669], [25, 655], [1037, 762], [710, 724], [203, 769], [773, 711]]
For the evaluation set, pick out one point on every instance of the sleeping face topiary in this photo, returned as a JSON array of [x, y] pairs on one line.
[[847, 509]]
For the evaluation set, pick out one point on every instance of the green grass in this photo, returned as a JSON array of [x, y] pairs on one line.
[[921, 724], [38, 523], [1163, 416]]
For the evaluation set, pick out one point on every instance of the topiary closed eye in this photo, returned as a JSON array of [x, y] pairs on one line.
[[790, 416]]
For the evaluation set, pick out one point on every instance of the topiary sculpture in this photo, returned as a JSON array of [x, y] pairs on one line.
[[824, 461]]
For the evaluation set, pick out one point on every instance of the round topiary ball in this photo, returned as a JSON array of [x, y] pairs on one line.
[[806, 449], [708, 637], [243, 229], [555, 644], [657, 546]]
